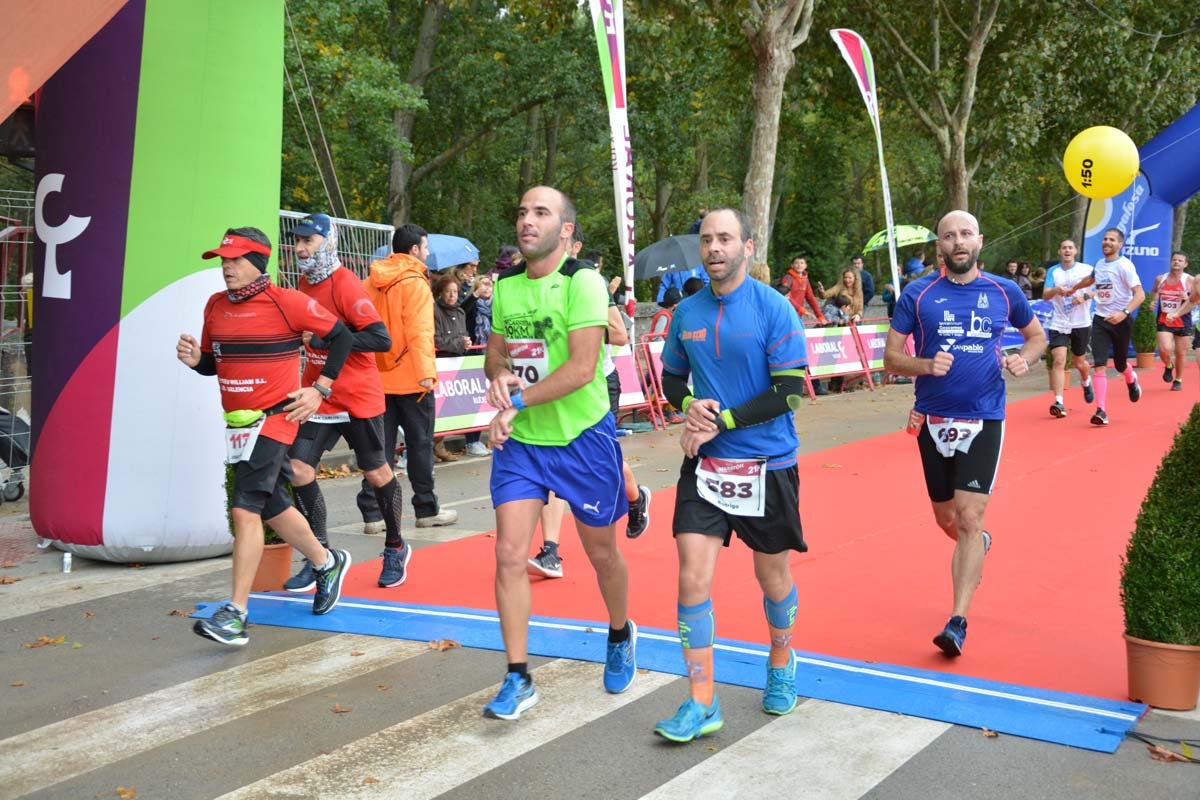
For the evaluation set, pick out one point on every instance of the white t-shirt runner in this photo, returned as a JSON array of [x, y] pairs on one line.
[[1115, 282], [1068, 315]]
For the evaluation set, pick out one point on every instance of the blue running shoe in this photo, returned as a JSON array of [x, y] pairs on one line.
[[779, 697], [691, 721], [227, 626], [302, 581], [395, 566], [1089, 394], [329, 582], [516, 695], [621, 664], [951, 639]]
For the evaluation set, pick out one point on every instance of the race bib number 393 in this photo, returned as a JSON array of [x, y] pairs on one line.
[[734, 485], [528, 359]]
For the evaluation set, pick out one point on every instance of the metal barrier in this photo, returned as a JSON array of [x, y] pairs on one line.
[[16, 252]]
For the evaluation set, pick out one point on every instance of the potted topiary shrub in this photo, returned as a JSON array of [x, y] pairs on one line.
[[1145, 335], [275, 566], [1160, 581]]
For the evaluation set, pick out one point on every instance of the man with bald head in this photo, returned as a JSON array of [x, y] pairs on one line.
[[553, 433], [956, 319]]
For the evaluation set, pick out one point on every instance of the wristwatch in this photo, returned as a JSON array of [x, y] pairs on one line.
[[324, 391]]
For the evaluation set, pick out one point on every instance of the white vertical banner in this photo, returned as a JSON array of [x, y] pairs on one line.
[[858, 56], [608, 21]]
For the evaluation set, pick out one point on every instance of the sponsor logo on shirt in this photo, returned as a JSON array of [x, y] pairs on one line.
[[982, 302], [981, 327], [696, 336], [968, 348], [949, 326]]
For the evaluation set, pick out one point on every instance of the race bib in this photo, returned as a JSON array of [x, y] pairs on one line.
[[1104, 293], [330, 419], [735, 485], [239, 442], [528, 359], [953, 435]]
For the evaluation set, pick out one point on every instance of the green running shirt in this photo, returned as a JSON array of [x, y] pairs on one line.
[[534, 317]]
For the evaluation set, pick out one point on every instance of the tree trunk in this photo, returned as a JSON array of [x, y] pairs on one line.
[[525, 170], [1078, 220], [1180, 226], [662, 201], [781, 27], [700, 184], [552, 146], [399, 189]]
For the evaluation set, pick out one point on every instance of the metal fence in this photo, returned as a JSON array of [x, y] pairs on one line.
[[16, 257], [357, 243]]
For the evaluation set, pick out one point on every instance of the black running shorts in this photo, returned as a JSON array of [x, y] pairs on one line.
[[776, 531], [365, 437], [973, 471]]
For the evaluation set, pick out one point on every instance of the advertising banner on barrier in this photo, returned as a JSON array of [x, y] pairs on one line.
[[873, 336], [831, 351], [461, 393]]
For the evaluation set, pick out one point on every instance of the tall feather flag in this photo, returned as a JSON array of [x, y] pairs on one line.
[[608, 21], [858, 57]]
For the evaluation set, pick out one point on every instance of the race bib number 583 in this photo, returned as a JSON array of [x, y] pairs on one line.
[[736, 486]]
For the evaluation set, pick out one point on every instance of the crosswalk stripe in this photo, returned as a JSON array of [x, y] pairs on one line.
[[809, 750], [434, 752], [62, 750], [46, 592]]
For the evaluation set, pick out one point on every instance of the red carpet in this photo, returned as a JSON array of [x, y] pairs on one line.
[[875, 584]]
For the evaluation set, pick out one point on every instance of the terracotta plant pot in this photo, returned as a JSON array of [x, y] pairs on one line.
[[1145, 360], [1163, 675], [274, 568]]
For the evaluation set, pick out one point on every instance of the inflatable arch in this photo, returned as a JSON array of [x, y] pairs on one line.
[[159, 132]]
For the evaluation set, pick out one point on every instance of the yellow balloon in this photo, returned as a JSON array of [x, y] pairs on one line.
[[1101, 162]]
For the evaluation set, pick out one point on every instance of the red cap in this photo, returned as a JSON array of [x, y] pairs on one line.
[[233, 246]]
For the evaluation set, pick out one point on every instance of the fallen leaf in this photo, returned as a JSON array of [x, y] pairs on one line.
[[88, 615], [17, 683], [357, 653], [1159, 753], [712, 748], [990, 733], [6, 579], [491, 536], [831, 466], [74, 588], [178, 612], [442, 645], [8, 565], [1186, 750], [369, 781], [76, 646], [662, 469], [135, 565], [338, 708], [383, 687], [42, 641], [127, 793]]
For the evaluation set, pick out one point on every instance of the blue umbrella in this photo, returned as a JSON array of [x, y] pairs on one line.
[[446, 251]]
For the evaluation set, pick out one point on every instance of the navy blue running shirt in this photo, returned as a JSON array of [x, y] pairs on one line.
[[966, 321]]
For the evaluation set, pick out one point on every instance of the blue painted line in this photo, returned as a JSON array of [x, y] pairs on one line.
[[1075, 720]]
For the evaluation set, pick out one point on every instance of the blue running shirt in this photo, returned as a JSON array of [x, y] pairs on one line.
[[730, 345], [967, 322]]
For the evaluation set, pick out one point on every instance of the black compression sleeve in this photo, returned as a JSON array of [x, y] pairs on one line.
[[372, 339], [340, 340], [207, 365], [675, 388], [784, 395]]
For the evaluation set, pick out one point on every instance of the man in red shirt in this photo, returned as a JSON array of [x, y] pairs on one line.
[[355, 410], [251, 342]]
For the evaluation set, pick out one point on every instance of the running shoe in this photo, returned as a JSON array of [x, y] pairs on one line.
[[639, 513], [1089, 394], [621, 663], [987, 542], [1099, 418], [691, 721], [1168, 374], [516, 695], [779, 697], [302, 581], [1176, 386], [329, 582], [1135, 391], [546, 563], [395, 565], [478, 449], [1058, 410], [951, 639], [227, 626]]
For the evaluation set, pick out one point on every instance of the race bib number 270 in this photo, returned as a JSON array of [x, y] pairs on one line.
[[528, 359]]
